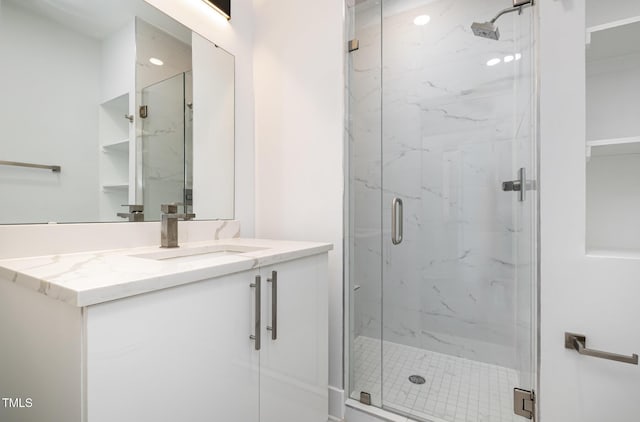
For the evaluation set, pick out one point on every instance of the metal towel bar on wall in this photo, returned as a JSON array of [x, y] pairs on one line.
[[55, 169], [578, 342]]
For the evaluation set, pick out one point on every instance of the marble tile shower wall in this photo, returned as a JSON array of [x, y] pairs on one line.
[[439, 129]]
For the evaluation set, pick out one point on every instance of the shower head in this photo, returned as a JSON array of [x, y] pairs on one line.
[[490, 29], [486, 30]]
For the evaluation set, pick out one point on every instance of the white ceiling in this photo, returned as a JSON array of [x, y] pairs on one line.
[[98, 18]]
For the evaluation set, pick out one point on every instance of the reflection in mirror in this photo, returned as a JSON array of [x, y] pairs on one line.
[[133, 107], [613, 126], [165, 101]]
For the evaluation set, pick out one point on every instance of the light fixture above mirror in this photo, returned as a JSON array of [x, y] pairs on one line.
[[221, 6]]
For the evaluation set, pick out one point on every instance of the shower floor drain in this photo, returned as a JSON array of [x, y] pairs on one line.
[[417, 379]]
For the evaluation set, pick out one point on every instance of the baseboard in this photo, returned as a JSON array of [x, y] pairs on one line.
[[336, 404]]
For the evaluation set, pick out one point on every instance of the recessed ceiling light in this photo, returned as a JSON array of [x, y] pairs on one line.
[[493, 61], [508, 58], [155, 61], [518, 56], [422, 20]]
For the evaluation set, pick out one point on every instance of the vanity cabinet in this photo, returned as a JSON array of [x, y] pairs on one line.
[[185, 353], [180, 354], [294, 366]]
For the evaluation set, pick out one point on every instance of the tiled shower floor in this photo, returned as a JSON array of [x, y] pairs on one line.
[[456, 389]]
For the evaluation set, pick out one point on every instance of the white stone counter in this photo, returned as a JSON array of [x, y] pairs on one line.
[[83, 279]]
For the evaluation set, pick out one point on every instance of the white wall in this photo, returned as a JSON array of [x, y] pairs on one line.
[[118, 62], [613, 201], [45, 122], [601, 12], [613, 104], [298, 68], [236, 37], [596, 296], [213, 130]]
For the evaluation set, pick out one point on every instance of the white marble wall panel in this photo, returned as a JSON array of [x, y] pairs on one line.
[[452, 130]]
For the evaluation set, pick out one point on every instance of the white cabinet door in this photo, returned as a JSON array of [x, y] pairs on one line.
[[294, 365], [181, 354]]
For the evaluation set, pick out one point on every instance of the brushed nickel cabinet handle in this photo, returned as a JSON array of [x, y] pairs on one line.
[[274, 305], [578, 342], [258, 310]]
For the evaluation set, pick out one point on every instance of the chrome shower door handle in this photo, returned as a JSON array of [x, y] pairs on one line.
[[578, 342], [258, 311], [396, 221], [274, 305], [522, 175], [520, 185]]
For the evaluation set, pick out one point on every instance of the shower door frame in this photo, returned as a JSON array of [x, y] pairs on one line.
[[348, 292]]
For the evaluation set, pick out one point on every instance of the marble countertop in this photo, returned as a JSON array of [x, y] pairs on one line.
[[83, 279]]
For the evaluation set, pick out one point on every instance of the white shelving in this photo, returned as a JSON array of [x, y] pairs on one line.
[[115, 139], [613, 136], [118, 146], [115, 187], [609, 25], [632, 145]]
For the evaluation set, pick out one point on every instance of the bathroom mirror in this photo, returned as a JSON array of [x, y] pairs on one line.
[[106, 104], [613, 128]]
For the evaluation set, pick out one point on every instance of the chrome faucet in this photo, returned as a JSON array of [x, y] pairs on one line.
[[169, 224]]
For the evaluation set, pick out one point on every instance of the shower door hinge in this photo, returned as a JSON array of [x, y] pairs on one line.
[[353, 45], [524, 403], [365, 398], [188, 197], [144, 112]]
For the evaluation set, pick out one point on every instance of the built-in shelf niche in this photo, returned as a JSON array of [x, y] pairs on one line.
[[115, 187], [118, 146], [613, 81], [613, 146], [115, 141], [613, 138]]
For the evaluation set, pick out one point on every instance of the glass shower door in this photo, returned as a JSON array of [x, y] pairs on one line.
[[457, 238], [365, 205], [163, 145], [442, 243]]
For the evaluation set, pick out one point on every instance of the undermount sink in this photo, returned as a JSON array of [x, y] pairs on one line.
[[181, 255]]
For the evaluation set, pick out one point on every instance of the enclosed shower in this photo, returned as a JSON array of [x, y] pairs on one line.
[[442, 210], [167, 144]]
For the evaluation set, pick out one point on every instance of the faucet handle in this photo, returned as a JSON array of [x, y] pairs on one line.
[[188, 216], [134, 207], [169, 208]]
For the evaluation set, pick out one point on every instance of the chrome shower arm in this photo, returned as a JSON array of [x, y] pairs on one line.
[[507, 10]]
